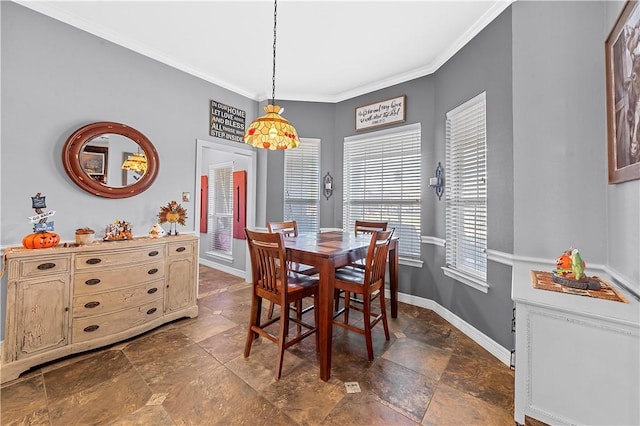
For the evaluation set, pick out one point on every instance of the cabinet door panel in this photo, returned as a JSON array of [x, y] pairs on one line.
[[43, 315], [180, 287]]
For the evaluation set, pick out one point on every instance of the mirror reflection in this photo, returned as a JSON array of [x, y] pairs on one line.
[[113, 160]]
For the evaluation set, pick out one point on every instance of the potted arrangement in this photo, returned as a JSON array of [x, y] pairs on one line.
[[84, 236]]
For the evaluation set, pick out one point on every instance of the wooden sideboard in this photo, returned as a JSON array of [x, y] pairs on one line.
[[577, 357], [65, 300]]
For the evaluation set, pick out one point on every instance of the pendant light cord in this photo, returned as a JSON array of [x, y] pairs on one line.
[[273, 78]]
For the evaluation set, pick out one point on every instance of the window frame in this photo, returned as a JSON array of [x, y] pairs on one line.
[[212, 214], [302, 176], [397, 168], [466, 189]]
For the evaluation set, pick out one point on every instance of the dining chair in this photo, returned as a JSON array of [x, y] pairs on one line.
[[290, 229], [273, 281], [361, 227], [368, 282]]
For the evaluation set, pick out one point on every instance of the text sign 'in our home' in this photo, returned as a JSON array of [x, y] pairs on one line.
[[227, 122], [381, 113]]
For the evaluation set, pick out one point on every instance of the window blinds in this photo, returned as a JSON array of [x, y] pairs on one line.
[[221, 207], [302, 185], [466, 188], [382, 182]]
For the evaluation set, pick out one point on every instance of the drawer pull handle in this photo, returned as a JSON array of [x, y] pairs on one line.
[[45, 266], [92, 281], [93, 261], [152, 290], [91, 328], [152, 271], [181, 249], [154, 253], [91, 305], [151, 311]]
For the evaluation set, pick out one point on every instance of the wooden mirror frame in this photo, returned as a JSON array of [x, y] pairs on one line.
[[74, 146]]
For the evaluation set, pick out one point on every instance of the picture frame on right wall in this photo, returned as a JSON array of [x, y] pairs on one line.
[[622, 55]]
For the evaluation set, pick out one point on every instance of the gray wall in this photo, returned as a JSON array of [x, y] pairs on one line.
[[56, 78]]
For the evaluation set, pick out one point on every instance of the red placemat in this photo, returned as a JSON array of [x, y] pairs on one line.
[[544, 281]]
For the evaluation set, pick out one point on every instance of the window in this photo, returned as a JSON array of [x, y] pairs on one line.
[[466, 193], [221, 208], [302, 185], [382, 182]]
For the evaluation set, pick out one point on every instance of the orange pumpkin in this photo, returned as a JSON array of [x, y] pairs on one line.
[[563, 262], [41, 240]]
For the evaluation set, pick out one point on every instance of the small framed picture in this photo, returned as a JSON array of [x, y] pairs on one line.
[[622, 54], [92, 162]]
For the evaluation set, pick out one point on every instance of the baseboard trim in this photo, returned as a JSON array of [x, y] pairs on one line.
[[493, 347], [224, 268]]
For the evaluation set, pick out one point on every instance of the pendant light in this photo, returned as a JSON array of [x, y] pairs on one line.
[[272, 130]]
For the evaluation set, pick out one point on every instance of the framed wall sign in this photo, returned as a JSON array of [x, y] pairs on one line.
[[622, 53], [381, 113]]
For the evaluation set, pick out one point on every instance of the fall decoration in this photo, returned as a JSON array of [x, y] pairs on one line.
[[39, 240], [43, 235], [570, 271], [84, 236], [118, 230], [172, 213]]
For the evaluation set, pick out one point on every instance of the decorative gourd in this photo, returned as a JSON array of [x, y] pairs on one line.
[[564, 262], [41, 240]]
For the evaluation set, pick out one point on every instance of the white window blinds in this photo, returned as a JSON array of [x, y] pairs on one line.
[[302, 185], [221, 207], [466, 188], [382, 182]]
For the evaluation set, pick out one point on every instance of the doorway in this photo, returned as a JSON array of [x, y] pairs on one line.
[[246, 157]]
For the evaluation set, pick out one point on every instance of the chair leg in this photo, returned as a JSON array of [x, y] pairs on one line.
[[347, 303], [336, 298], [299, 315], [316, 319], [254, 320], [383, 311], [366, 308], [282, 339], [270, 315]]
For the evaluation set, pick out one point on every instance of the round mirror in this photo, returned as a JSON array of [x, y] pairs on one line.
[[110, 160]]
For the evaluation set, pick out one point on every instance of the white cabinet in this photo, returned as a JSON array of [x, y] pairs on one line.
[[577, 357]]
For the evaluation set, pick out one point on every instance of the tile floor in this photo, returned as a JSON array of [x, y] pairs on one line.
[[192, 372]]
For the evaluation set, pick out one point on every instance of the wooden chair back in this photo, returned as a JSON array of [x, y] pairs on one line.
[[369, 227], [288, 229], [268, 265], [376, 261]]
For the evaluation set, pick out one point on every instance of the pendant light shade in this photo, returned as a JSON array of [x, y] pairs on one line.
[[272, 131], [136, 163]]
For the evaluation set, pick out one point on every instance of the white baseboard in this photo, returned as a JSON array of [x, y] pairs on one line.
[[224, 268], [493, 347]]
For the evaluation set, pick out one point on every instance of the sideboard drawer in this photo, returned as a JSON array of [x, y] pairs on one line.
[[105, 280], [180, 250], [94, 327], [116, 300], [44, 266], [95, 260]]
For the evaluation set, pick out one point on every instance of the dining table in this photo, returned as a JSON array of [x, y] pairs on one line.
[[328, 251]]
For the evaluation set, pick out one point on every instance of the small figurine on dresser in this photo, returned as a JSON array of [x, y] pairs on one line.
[[157, 231], [118, 230], [570, 271], [43, 235]]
